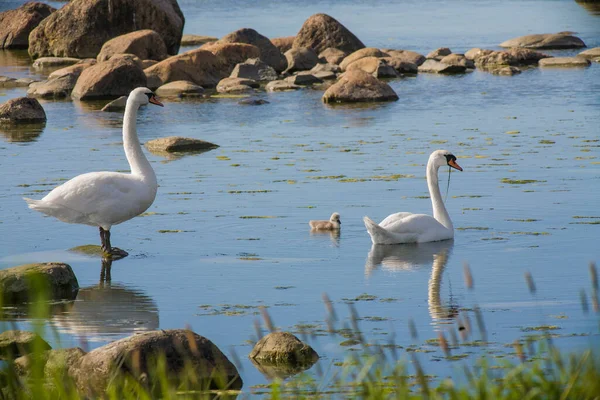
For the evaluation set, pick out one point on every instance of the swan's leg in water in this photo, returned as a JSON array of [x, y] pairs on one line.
[[105, 240]]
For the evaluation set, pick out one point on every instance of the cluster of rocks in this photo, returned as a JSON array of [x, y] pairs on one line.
[[118, 52]]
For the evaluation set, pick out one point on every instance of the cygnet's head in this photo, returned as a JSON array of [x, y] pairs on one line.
[[335, 217], [441, 158], [143, 96]]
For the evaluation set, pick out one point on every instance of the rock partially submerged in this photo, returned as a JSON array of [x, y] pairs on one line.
[[546, 41], [304, 78], [8, 82], [438, 54], [17, 24], [145, 44], [180, 89], [113, 78], [53, 281], [362, 53], [177, 144], [54, 62], [283, 348], [359, 86], [14, 344], [136, 356], [253, 102], [459, 60], [57, 87], [377, 67], [514, 57], [591, 54], [281, 86], [437, 67], [236, 85], [564, 62], [406, 55], [22, 110], [321, 31]]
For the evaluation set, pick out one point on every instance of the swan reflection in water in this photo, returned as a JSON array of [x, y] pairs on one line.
[[409, 257], [333, 235], [104, 311]]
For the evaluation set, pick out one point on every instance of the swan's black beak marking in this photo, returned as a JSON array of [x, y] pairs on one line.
[[154, 100], [452, 162]]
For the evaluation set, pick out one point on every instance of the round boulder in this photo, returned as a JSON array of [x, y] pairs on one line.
[[177, 144], [564, 62], [269, 53], [180, 89], [81, 27], [300, 59], [17, 111], [359, 86], [545, 41], [145, 44], [113, 78], [321, 31], [357, 55], [198, 66], [15, 25], [14, 344], [136, 356], [283, 348]]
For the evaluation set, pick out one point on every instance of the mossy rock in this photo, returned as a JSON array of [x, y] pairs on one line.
[[279, 348], [176, 144], [94, 250], [56, 362], [17, 343]]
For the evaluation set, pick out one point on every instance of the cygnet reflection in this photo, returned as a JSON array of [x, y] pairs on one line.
[[333, 235], [408, 257], [103, 311]]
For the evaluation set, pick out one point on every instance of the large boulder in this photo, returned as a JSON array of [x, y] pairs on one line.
[[198, 66], [565, 62], [301, 59], [231, 54], [146, 44], [545, 41], [255, 69], [283, 348], [321, 31], [283, 43], [53, 281], [591, 54], [406, 55], [18, 111], [14, 344], [269, 53], [109, 79], [136, 357], [16, 25], [358, 86], [377, 67], [358, 54], [81, 27]]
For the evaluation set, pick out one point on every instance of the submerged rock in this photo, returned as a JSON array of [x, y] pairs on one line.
[[14, 344], [546, 41], [177, 144], [505, 71], [52, 281], [283, 348], [253, 102], [22, 110], [359, 86], [591, 54], [17, 24], [321, 31], [135, 356], [576, 62]]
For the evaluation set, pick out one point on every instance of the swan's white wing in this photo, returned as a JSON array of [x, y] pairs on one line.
[[393, 218]]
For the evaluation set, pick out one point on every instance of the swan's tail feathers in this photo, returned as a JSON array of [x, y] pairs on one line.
[[58, 211], [381, 235]]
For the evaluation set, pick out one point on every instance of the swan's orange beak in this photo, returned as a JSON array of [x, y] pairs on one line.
[[154, 100], [454, 165]]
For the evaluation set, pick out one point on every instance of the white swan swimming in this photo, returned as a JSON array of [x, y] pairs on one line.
[[404, 227], [105, 199]]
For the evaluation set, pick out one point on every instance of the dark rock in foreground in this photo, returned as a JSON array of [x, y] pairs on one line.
[[16, 25], [359, 86], [18, 343], [22, 110], [53, 281], [321, 31]]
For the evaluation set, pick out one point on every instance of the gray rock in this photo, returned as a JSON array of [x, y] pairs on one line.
[[280, 86], [177, 144], [283, 348], [53, 88], [591, 54], [54, 281], [321, 31], [253, 102], [438, 54], [113, 78], [300, 59], [359, 86], [180, 89], [14, 344], [269, 53], [576, 62], [135, 356], [116, 105], [437, 67], [303, 78], [545, 41], [21, 110], [54, 62], [254, 69], [16, 25], [195, 40]]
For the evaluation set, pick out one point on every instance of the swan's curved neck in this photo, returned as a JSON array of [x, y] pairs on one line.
[[137, 160], [439, 209]]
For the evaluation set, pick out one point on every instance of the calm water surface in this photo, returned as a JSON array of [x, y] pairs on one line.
[[228, 231]]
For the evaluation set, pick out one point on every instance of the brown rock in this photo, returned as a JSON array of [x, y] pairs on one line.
[[8, 82], [514, 57], [255, 69], [563, 62], [148, 63], [233, 85], [136, 356], [283, 348], [113, 78], [591, 54], [74, 70], [476, 52], [332, 55], [326, 67], [195, 40], [359, 86], [57, 87], [562, 40], [377, 67], [56, 362], [281, 86], [322, 75], [269, 53], [303, 78], [231, 54], [321, 31], [177, 144], [438, 54], [505, 71], [81, 27], [459, 60], [17, 111], [180, 89], [437, 67], [145, 44], [15, 25], [116, 105], [357, 55], [198, 66], [14, 344], [300, 59], [56, 280], [406, 55], [54, 62], [401, 66], [283, 43]]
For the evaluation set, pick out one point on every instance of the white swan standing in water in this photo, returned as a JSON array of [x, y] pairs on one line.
[[404, 227], [105, 199]]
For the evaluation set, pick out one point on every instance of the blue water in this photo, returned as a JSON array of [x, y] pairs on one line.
[[296, 159]]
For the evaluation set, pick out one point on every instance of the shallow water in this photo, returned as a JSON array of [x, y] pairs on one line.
[[229, 231]]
